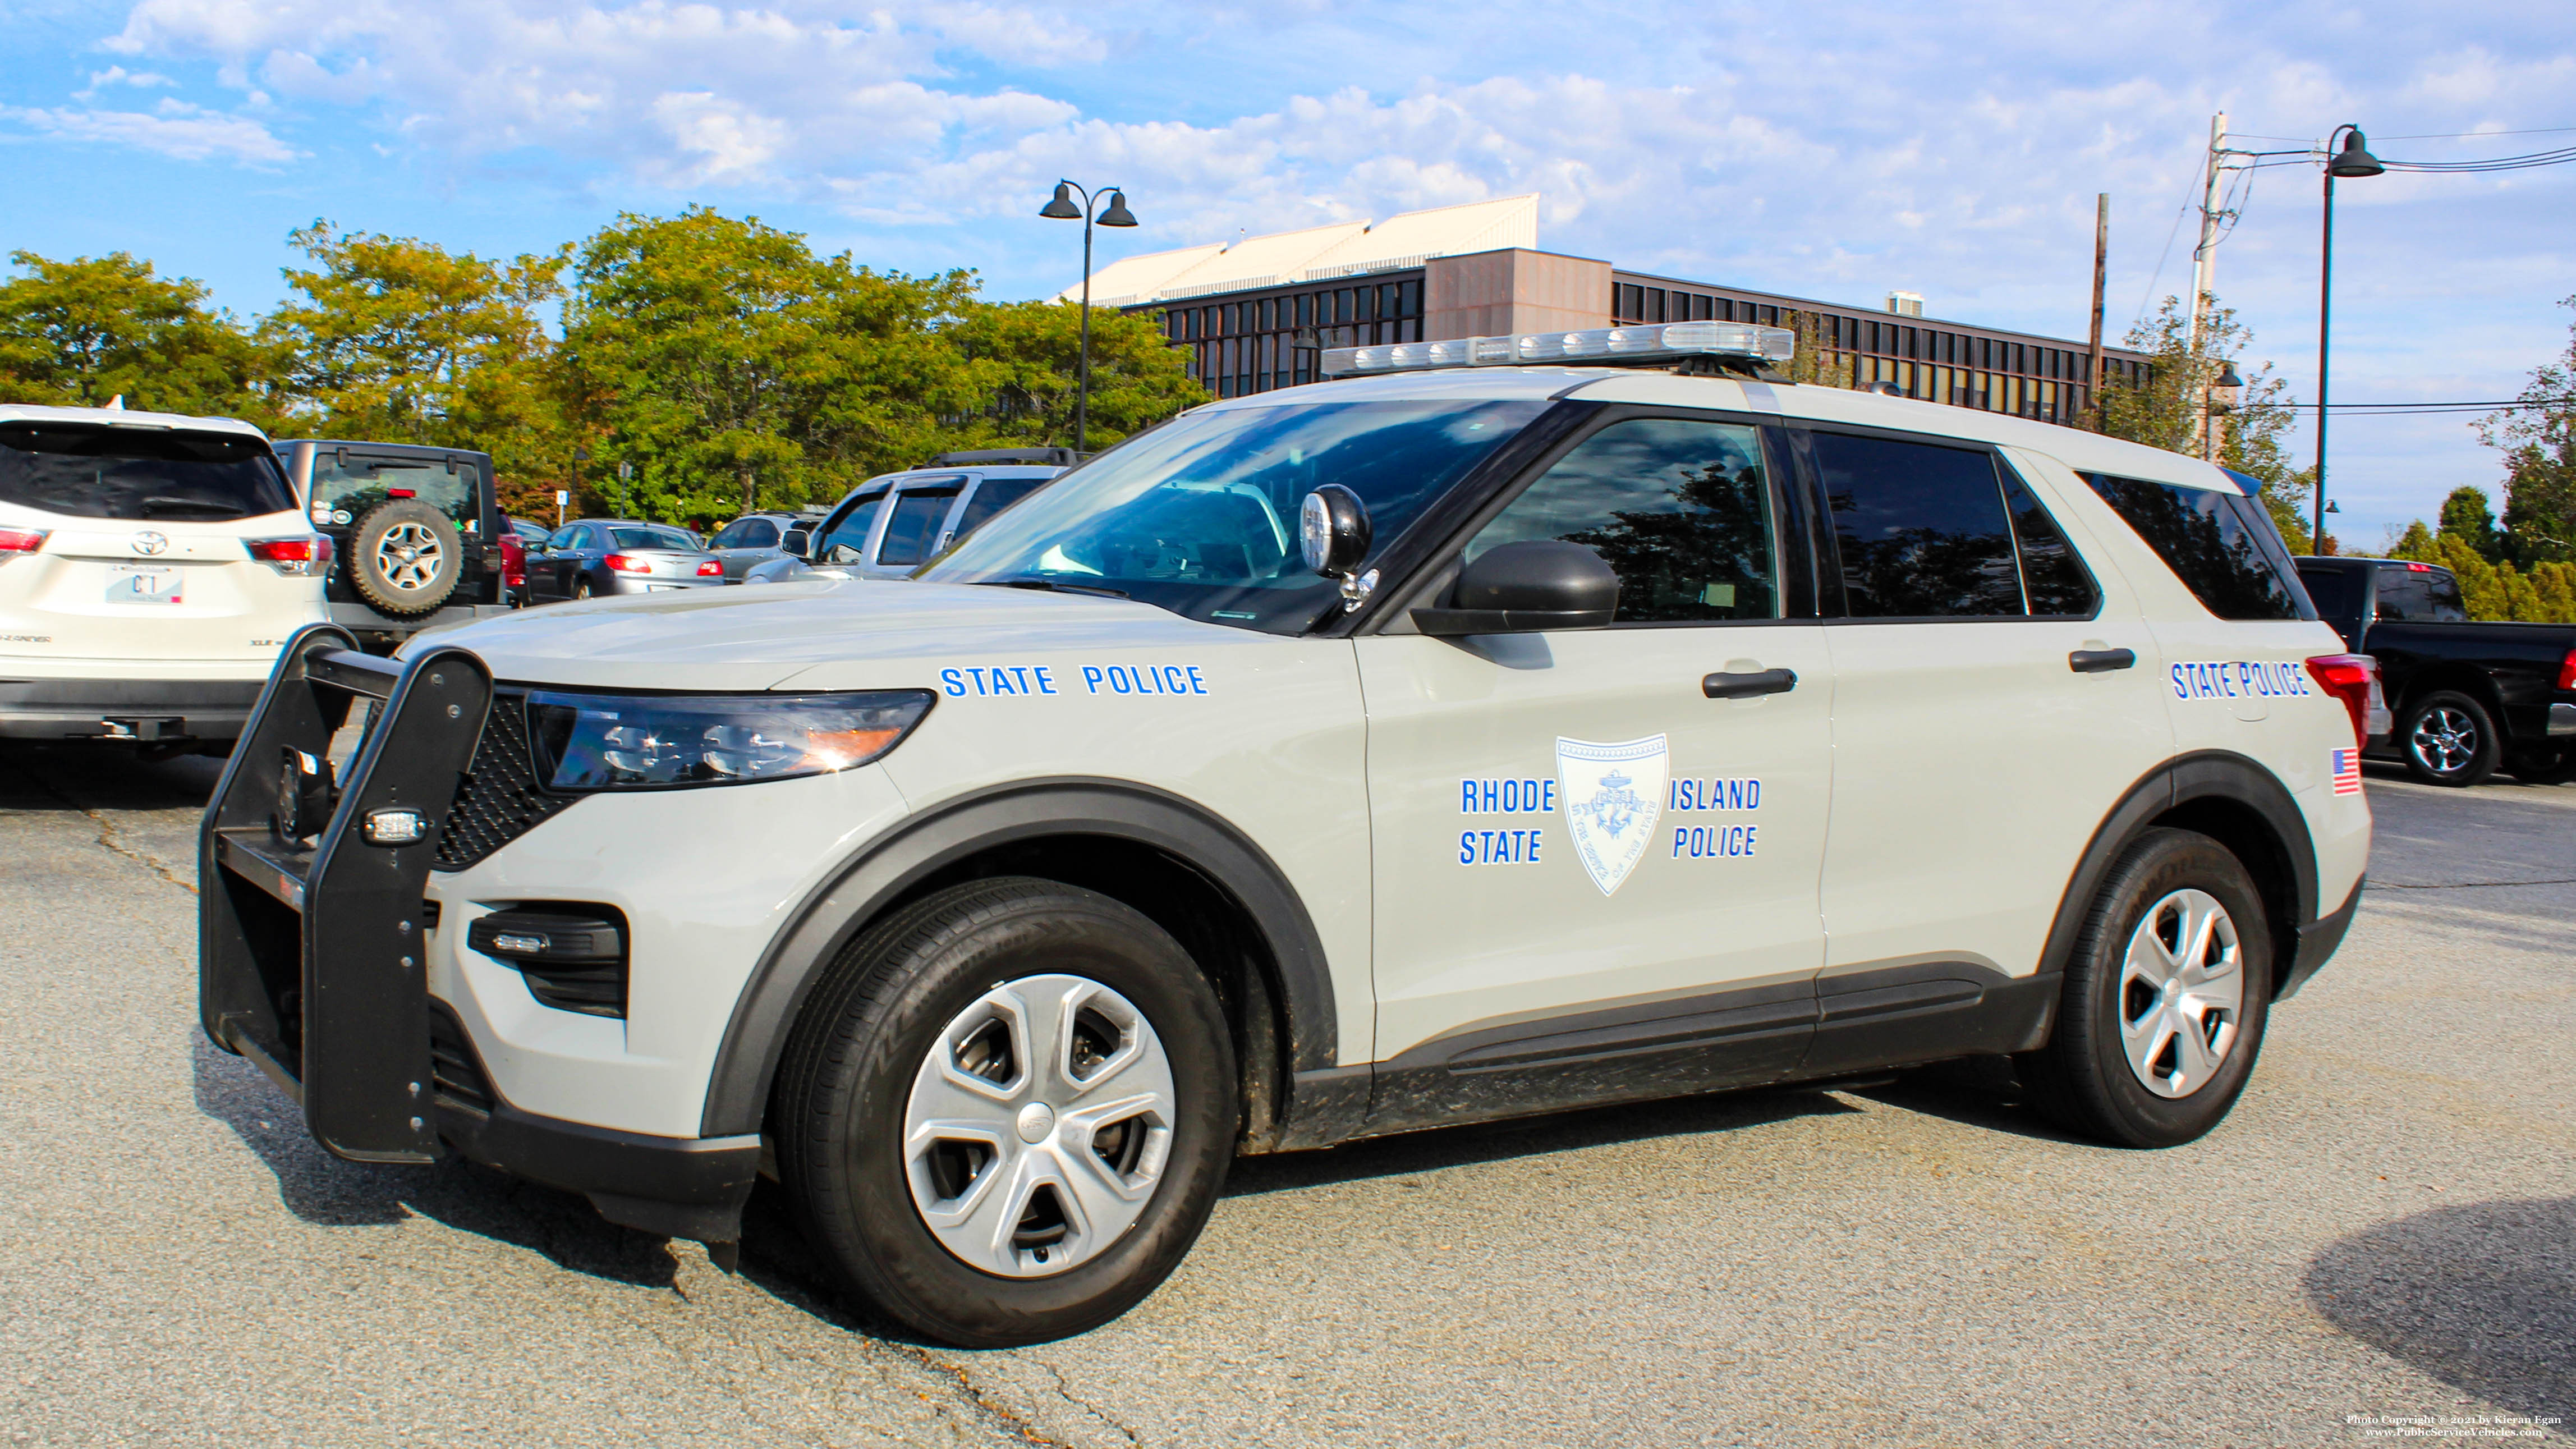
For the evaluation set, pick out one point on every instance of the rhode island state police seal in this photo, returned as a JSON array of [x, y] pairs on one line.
[[1612, 795]]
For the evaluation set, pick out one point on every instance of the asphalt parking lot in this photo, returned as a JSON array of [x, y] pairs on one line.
[[2381, 1232]]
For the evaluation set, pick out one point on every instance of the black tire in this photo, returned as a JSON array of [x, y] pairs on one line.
[[405, 558], [2082, 1079], [2544, 765], [2448, 738], [846, 1079], [581, 587]]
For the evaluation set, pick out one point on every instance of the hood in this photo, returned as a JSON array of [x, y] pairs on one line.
[[761, 637]]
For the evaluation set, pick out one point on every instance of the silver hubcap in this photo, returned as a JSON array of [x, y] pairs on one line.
[[1038, 1126], [2445, 740], [409, 556], [2182, 993]]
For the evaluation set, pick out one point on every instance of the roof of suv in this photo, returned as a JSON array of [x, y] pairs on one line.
[[124, 418]]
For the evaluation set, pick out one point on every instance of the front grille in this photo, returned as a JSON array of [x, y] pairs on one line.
[[499, 801], [454, 1072]]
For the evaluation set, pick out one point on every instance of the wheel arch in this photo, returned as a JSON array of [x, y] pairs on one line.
[[1181, 866], [2230, 798], [2469, 679]]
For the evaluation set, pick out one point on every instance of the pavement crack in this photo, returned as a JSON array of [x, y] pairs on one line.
[[1064, 1391], [997, 1414], [106, 831], [2467, 885]]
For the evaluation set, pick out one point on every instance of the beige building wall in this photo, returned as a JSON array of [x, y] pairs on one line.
[[1488, 294]]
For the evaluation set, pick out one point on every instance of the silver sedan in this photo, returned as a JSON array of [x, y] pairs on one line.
[[619, 556]]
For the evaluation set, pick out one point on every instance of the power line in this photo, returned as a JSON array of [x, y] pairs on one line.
[[2459, 135], [2395, 409]]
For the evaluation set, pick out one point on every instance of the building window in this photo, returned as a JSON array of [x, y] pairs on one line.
[[1409, 298]]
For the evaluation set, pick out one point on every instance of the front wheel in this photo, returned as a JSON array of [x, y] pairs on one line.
[[2165, 997], [1005, 1115], [2449, 739]]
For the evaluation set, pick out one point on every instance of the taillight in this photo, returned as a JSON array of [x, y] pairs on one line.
[[2354, 679], [711, 569], [2567, 671], [302, 556], [17, 541], [514, 561], [627, 565]]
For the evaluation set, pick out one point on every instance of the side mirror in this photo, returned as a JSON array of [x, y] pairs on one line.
[[1523, 588], [1333, 535], [797, 543]]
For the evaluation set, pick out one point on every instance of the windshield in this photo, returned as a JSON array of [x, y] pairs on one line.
[[347, 486], [1200, 516], [132, 473]]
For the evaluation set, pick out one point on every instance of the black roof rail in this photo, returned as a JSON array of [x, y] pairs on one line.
[[1035, 457]]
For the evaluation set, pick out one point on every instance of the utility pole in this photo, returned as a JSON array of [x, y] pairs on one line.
[[2101, 259], [2204, 269]]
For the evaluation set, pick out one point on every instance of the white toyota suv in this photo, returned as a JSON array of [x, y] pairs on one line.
[[1454, 742], [151, 568]]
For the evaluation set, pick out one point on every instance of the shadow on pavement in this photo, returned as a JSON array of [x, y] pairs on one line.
[[101, 777], [323, 1190], [2481, 1296]]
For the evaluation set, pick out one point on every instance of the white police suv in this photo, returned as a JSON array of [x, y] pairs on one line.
[[1513, 724]]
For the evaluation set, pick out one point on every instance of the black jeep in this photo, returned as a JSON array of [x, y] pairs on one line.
[[416, 534]]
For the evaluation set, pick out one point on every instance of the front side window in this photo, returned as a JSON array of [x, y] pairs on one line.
[[1921, 529], [915, 522], [1200, 515], [355, 483], [132, 474], [844, 539], [2221, 545], [1678, 508]]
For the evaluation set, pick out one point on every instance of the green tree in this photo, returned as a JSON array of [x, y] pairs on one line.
[[2538, 441], [78, 333], [2494, 590], [1026, 355], [2466, 517], [2164, 410], [401, 341]]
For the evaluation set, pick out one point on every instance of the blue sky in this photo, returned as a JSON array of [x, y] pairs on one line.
[[1825, 150]]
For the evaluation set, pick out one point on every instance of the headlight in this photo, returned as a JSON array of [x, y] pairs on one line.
[[642, 742]]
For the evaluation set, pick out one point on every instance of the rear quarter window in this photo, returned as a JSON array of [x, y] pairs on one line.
[[2220, 544], [128, 473]]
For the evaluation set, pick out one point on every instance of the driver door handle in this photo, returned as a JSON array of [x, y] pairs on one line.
[[2094, 661], [1744, 686]]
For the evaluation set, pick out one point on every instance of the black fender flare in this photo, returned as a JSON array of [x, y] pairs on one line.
[[884, 869], [2209, 773]]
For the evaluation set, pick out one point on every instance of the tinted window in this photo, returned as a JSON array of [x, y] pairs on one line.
[[2053, 578], [758, 533], [991, 497], [2336, 592], [914, 523], [354, 483], [2220, 544], [1678, 508], [845, 539], [651, 538], [1921, 529], [733, 534], [2419, 594], [132, 474]]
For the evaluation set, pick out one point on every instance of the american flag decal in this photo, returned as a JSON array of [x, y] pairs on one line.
[[2347, 772]]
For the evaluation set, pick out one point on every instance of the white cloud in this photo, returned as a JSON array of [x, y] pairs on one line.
[[180, 131]]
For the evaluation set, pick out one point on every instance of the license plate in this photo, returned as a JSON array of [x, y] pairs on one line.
[[143, 584]]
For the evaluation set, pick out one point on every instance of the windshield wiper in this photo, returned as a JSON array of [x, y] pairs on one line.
[[1032, 581]]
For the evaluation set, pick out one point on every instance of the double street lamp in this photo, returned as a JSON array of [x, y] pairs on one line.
[[2354, 160], [1110, 210]]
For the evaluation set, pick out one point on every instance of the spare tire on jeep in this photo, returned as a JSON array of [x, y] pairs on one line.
[[405, 558]]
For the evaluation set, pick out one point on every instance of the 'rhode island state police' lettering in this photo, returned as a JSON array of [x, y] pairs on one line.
[[2240, 679], [1714, 795], [1507, 797], [1500, 847], [1713, 842], [1135, 680]]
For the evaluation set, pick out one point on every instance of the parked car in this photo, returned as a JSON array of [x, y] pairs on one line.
[[756, 538], [891, 525], [151, 566], [416, 534], [533, 534], [2467, 697], [619, 556]]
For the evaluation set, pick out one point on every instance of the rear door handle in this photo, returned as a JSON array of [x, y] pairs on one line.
[[1743, 686], [2094, 661]]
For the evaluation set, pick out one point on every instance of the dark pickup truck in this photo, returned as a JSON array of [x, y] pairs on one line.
[[2468, 697]]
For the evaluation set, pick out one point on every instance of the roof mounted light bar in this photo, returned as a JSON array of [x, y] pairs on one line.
[[1643, 345]]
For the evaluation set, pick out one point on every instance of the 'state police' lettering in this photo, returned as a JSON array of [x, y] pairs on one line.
[[1038, 679]]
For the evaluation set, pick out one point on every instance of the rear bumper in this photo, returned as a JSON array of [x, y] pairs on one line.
[[53, 709], [2318, 940], [623, 584], [2562, 719]]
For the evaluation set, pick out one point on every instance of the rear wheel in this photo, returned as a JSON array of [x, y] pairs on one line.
[[2165, 998], [581, 587], [2545, 765], [2449, 739], [1006, 1112]]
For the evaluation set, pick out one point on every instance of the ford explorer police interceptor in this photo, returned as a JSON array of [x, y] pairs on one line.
[[1486, 732]]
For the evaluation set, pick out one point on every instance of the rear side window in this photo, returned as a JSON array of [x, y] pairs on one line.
[[2335, 592], [352, 483], [2419, 594], [2220, 544], [991, 497], [1921, 529], [128, 473]]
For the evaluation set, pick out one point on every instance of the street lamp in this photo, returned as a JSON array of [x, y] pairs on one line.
[[2354, 160], [2224, 395], [1112, 212]]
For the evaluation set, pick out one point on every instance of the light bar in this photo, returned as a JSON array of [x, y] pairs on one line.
[[1617, 346]]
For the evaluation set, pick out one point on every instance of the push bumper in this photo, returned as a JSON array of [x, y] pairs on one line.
[[311, 957], [2318, 940], [132, 709]]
